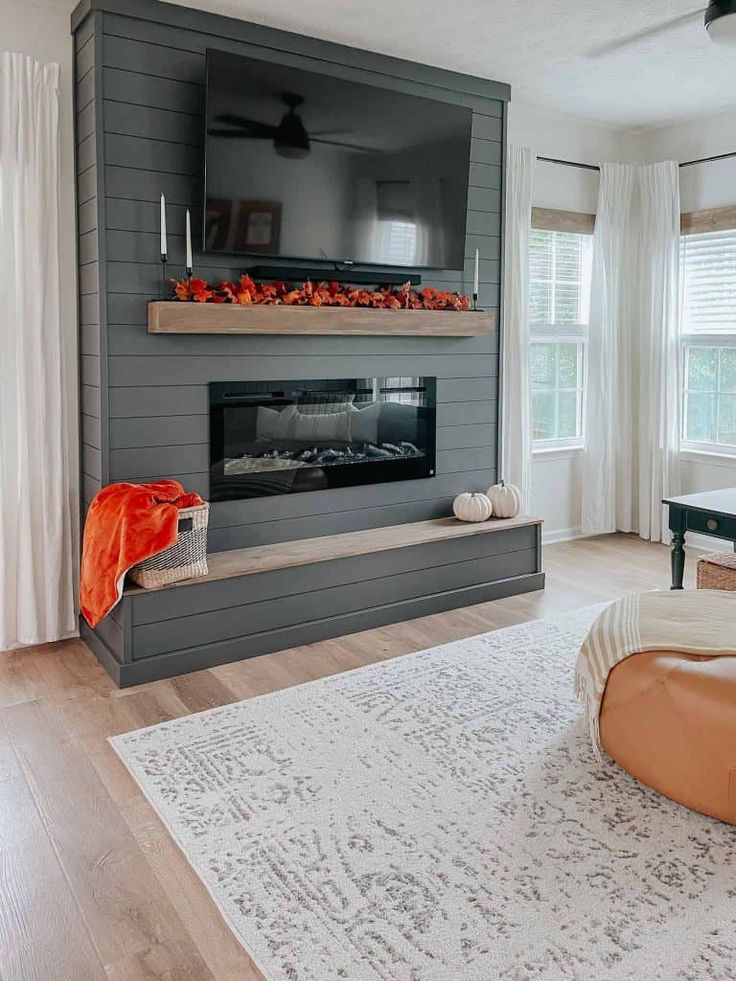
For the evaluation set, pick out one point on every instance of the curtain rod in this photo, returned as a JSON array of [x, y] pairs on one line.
[[686, 163]]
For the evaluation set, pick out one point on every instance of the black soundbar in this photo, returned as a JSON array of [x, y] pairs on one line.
[[361, 277]]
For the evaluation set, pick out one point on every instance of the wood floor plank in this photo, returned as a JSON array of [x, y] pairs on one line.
[[121, 902], [42, 934]]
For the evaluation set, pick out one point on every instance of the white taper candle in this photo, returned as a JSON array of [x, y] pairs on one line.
[[164, 249], [475, 275], [190, 265]]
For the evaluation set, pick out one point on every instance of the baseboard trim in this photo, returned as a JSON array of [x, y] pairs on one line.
[[561, 535]]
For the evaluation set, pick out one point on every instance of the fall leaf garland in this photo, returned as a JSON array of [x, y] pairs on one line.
[[325, 294]]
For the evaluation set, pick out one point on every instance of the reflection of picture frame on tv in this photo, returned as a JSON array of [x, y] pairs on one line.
[[242, 226], [259, 225]]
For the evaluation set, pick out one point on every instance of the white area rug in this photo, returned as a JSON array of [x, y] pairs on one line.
[[440, 817]]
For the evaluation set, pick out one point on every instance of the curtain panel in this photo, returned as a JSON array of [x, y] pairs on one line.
[[632, 408], [36, 586], [516, 438]]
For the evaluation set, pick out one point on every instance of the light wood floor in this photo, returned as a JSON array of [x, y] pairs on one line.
[[91, 886]]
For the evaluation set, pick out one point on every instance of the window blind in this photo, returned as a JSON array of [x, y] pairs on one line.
[[708, 282], [558, 281]]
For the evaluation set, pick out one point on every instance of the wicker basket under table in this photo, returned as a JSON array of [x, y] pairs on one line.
[[717, 570], [185, 559]]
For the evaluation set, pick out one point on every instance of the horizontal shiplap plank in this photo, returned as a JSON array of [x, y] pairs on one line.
[[85, 91], [86, 186], [485, 175], [85, 123], [89, 339], [484, 222], [88, 247], [486, 152], [142, 431], [91, 431], [159, 155], [484, 198], [91, 461], [160, 60], [91, 400], [128, 340], [85, 58], [143, 217], [141, 89], [191, 371], [87, 153], [89, 309], [89, 278], [152, 123], [487, 128], [87, 216], [89, 368], [148, 185]]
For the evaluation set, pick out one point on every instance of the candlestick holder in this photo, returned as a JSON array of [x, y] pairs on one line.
[[164, 284], [190, 271], [475, 301]]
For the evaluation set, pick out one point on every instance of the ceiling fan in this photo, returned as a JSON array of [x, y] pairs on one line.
[[290, 137], [719, 19]]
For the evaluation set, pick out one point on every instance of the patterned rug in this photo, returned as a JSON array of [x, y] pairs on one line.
[[440, 817]]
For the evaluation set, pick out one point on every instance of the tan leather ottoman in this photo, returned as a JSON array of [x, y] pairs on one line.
[[670, 720]]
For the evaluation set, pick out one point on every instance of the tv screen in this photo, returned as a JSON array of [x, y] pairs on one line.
[[302, 165]]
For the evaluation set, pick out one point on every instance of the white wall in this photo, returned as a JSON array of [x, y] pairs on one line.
[[556, 473], [41, 28]]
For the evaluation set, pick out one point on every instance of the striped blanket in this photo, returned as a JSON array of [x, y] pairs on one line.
[[689, 622]]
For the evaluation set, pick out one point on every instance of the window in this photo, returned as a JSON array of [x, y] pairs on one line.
[[559, 301], [708, 328]]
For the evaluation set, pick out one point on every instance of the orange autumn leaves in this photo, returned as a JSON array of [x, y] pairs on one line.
[[325, 294]]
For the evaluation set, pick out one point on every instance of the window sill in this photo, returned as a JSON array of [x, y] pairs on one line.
[[713, 458], [556, 452]]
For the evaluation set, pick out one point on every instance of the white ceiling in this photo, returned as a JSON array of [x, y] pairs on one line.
[[542, 48]]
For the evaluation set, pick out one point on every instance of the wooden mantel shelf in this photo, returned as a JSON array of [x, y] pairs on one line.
[[176, 317]]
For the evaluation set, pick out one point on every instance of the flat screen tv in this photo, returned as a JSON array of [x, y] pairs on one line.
[[302, 165]]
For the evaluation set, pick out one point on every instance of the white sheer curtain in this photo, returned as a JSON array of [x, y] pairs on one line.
[[632, 406], [516, 444], [36, 590]]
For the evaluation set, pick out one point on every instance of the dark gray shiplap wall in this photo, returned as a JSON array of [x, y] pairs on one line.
[[140, 95]]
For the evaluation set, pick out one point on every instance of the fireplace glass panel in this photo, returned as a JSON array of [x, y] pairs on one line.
[[284, 437]]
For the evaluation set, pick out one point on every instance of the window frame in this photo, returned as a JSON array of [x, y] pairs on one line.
[[576, 224], [703, 223]]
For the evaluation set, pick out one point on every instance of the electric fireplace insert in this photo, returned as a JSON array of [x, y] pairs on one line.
[[287, 437]]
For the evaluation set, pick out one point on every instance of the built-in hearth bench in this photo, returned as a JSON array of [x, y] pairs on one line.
[[268, 598]]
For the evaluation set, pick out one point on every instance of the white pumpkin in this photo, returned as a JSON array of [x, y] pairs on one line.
[[472, 507], [505, 499]]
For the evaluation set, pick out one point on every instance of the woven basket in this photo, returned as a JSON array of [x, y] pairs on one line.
[[185, 559], [717, 571]]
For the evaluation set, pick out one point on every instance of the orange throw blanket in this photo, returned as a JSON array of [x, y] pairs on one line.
[[126, 523]]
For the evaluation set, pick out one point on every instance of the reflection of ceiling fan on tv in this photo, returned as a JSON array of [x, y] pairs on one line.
[[719, 21], [290, 137]]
